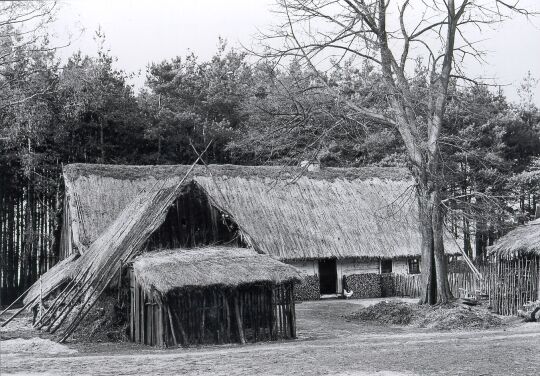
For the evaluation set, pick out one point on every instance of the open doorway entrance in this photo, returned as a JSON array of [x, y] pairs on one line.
[[328, 276]]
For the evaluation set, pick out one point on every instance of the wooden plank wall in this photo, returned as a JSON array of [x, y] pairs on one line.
[[146, 316], [213, 316]]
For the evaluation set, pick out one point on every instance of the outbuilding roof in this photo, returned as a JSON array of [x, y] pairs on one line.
[[169, 270], [523, 240]]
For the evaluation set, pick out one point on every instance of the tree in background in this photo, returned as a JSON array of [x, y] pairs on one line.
[[195, 102], [99, 116], [292, 116], [390, 35], [27, 78]]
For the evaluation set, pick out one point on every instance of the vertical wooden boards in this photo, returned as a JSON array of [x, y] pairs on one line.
[[212, 315]]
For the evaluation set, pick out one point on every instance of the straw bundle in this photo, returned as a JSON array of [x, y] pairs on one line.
[[51, 280], [524, 240], [168, 270]]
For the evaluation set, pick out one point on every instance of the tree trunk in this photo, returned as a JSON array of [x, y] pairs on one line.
[[436, 289], [444, 295], [101, 143]]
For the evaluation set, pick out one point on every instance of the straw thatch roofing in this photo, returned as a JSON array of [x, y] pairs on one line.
[[50, 280], [524, 240], [354, 212], [168, 270]]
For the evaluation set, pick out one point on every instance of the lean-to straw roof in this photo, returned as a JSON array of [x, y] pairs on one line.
[[50, 280], [524, 240], [168, 270], [353, 212]]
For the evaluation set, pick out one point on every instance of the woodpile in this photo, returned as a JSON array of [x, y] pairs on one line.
[[367, 285], [308, 289]]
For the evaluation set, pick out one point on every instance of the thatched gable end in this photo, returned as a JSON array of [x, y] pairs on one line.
[[524, 240], [168, 270]]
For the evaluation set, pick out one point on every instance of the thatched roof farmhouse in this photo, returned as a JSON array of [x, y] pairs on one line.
[[341, 227], [332, 223], [341, 213]]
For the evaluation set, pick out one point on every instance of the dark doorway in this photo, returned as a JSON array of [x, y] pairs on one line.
[[386, 266], [328, 276]]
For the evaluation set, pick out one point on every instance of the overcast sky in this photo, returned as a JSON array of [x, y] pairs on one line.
[[142, 31]]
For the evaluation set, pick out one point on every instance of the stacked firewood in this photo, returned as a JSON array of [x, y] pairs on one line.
[[367, 285], [307, 289]]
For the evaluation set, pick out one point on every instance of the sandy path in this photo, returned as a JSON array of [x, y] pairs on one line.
[[488, 353], [326, 346]]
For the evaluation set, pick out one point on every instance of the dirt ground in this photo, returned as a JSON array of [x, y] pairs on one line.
[[327, 344]]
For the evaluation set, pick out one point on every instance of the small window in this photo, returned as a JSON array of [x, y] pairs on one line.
[[386, 266], [414, 266]]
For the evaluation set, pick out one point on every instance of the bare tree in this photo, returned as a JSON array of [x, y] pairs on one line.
[[23, 31], [391, 34]]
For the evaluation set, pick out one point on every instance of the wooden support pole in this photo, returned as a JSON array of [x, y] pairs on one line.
[[293, 313], [203, 315], [227, 312], [238, 315]]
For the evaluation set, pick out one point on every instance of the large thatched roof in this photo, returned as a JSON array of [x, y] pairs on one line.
[[168, 270], [520, 241], [356, 212]]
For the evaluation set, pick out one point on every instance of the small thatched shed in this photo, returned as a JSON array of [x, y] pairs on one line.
[[211, 295], [515, 268]]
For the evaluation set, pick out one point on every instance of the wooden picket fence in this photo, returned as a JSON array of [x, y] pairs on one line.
[[460, 283], [509, 284], [407, 285], [514, 282]]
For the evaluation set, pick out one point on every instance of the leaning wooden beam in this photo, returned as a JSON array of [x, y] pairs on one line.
[[71, 288], [185, 338], [17, 313], [15, 301], [171, 325], [31, 293]]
